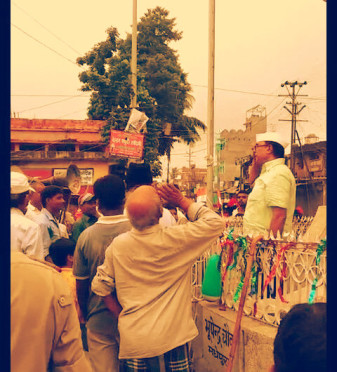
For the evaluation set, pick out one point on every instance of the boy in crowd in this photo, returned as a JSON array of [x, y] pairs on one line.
[[62, 254]]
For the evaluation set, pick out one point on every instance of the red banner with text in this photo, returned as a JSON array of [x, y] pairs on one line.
[[124, 144]]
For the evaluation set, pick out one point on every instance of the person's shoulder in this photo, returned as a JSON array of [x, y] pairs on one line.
[[34, 264], [42, 218], [27, 222], [86, 235]]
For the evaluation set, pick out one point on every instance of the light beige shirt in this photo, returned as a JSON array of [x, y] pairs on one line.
[[32, 212], [25, 235], [44, 322], [150, 271], [275, 187]]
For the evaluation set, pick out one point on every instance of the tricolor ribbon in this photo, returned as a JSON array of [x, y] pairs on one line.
[[239, 287], [320, 249], [272, 273]]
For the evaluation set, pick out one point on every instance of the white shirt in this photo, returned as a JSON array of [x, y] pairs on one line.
[[167, 219], [51, 229], [150, 271], [25, 235], [275, 187], [32, 212]]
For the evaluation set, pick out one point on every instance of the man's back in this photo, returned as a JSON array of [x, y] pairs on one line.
[[25, 235], [44, 322], [89, 254], [152, 273]]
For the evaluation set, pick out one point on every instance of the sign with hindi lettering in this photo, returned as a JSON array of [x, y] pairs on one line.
[[87, 175], [126, 144], [217, 338]]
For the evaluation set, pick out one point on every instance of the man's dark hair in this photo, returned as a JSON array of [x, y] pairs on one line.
[[60, 249], [18, 199], [138, 175], [49, 192], [110, 191], [73, 200], [278, 150], [300, 343]]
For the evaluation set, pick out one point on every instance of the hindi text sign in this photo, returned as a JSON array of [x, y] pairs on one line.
[[126, 144], [217, 338]]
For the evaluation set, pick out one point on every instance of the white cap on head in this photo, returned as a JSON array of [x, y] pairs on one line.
[[19, 183], [273, 137], [87, 197]]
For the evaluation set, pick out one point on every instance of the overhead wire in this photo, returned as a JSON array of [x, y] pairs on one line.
[[48, 104], [57, 37], [46, 46]]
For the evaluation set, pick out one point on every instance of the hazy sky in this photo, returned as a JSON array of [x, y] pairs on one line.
[[258, 45]]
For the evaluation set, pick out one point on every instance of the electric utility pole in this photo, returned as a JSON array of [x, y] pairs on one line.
[[134, 55], [295, 110], [210, 102]]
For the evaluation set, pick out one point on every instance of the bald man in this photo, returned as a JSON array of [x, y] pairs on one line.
[[35, 205], [149, 270]]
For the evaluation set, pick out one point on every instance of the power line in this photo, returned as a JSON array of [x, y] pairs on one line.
[[46, 46], [48, 104], [47, 95], [235, 90], [69, 46]]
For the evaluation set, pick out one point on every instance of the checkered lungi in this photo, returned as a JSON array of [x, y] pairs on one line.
[[173, 361]]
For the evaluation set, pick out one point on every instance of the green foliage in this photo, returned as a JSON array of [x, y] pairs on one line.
[[163, 92]]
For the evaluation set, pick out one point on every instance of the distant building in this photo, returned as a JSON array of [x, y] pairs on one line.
[[310, 174], [189, 179], [46, 147], [236, 144]]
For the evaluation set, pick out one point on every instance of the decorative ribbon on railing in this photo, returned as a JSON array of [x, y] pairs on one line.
[[242, 245], [272, 273], [225, 243], [282, 276], [239, 287], [320, 249]]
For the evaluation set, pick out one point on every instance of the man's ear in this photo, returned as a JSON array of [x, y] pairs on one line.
[[272, 368], [70, 260], [161, 211]]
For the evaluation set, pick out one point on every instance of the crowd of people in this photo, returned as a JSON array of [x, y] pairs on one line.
[[101, 282]]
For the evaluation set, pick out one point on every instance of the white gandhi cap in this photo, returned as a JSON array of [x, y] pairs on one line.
[[273, 137], [19, 183]]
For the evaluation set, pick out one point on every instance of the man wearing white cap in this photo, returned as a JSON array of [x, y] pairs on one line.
[[271, 204], [87, 203], [25, 234]]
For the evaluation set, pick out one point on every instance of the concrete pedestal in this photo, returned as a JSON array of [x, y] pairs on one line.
[[211, 348]]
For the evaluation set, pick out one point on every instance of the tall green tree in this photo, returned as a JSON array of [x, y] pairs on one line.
[[163, 91]]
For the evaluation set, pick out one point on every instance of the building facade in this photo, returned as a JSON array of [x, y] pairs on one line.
[[236, 144], [310, 174], [46, 147]]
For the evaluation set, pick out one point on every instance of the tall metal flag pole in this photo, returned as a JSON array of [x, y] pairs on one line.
[[210, 102], [134, 55]]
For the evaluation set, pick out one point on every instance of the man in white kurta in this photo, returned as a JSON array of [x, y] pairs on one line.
[[25, 234], [149, 268], [271, 204]]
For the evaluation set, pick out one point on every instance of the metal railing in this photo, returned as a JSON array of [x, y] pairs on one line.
[[290, 268]]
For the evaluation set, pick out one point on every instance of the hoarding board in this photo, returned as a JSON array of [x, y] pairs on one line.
[[126, 144]]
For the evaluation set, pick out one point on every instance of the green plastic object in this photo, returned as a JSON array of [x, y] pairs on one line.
[[211, 285]]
